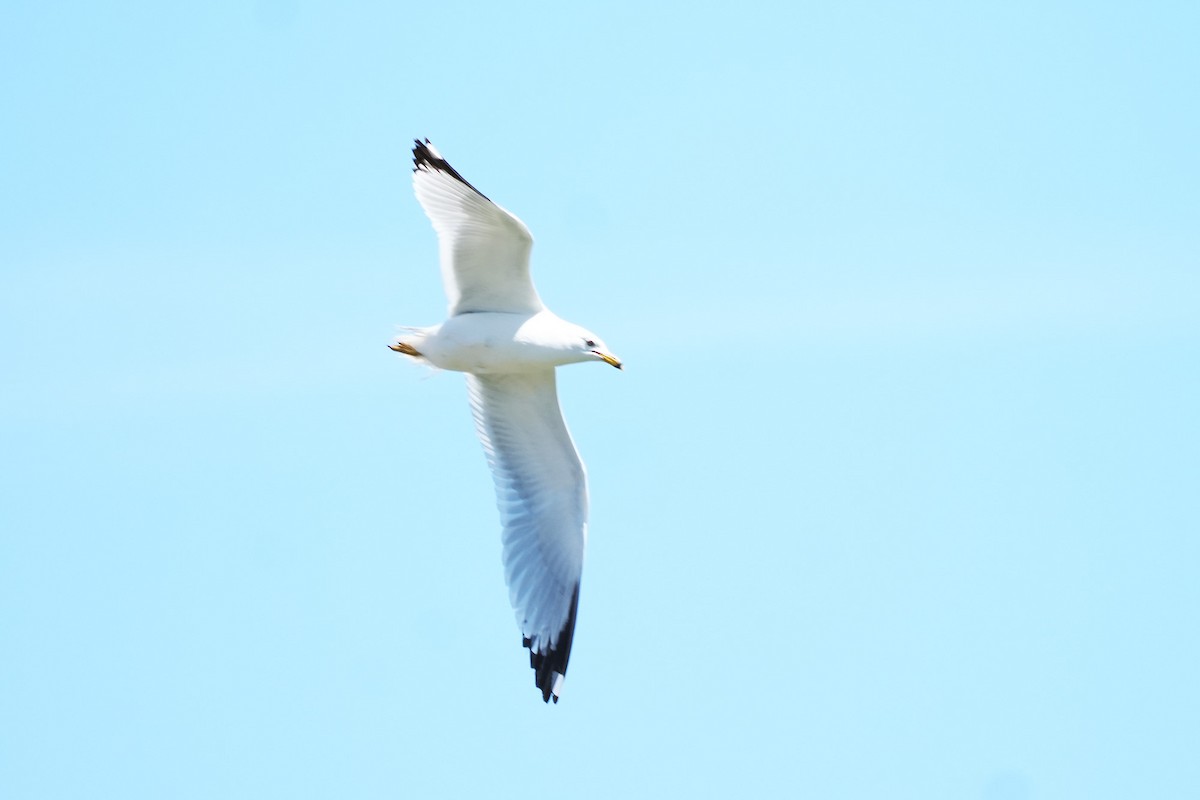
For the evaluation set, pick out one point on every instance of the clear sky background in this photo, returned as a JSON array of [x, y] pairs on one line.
[[896, 498]]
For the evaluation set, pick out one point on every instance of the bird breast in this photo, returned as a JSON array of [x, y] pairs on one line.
[[492, 342]]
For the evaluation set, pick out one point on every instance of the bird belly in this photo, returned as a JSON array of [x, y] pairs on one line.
[[484, 343]]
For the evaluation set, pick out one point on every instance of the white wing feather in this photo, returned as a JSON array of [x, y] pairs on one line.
[[541, 491], [484, 250]]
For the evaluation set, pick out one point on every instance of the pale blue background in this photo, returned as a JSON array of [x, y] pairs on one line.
[[897, 497]]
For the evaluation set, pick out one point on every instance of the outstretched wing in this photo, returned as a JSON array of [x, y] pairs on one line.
[[484, 250], [541, 491]]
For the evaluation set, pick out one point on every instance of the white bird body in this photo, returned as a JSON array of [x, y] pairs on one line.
[[508, 343], [488, 342]]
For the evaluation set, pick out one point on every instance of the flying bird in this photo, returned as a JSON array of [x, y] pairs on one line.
[[508, 343]]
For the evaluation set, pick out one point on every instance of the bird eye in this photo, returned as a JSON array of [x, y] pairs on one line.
[[589, 342]]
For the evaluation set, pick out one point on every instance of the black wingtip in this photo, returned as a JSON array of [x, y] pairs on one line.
[[547, 666], [426, 156]]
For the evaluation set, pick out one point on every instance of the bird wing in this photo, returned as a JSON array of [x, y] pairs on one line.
[[541, 491], [484, 250]]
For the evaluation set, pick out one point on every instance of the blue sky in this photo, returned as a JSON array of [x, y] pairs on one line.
[[897, 496]]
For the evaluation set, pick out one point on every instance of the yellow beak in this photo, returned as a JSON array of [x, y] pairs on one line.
[[609, 359]]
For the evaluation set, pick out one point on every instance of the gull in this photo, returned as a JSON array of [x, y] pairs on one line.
[[508, 343]]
